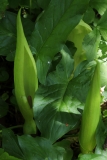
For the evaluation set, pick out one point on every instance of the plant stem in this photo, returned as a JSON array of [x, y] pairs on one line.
[[19, 126]]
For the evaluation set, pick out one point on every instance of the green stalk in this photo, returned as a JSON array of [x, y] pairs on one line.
[[91, 114], [25, 78]]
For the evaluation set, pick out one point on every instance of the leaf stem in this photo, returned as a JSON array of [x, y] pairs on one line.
[[18, 126]]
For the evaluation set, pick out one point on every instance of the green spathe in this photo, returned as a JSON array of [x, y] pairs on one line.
[[76, 36], [91, 114], [25, 77]]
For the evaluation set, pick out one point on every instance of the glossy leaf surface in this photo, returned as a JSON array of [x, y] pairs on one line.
[[28, 148], [52, 29]]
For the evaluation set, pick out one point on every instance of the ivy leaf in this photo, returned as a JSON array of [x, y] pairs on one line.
[[52, 29], [91, 43]]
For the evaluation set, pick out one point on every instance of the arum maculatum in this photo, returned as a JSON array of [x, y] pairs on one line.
[[91, 114], [76, 36], [25, 78]]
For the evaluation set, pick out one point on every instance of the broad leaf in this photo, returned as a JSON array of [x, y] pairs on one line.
[[8, 34], [43, 4], [10, 144], [52, 29], [89, 15], [91, 156], [65, 144], [103, 74], [55, 105], [63, 70], [28, 148], [102, 25], [99, 5], [53, 109], [81, 81], [40, 149], [6, 156], [91, 43]]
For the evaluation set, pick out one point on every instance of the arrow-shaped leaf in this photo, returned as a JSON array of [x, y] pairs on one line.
[[52, 29]]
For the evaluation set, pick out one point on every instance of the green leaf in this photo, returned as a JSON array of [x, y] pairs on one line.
[[103, 74], [40, 148], [63, 70], [10, 143], [91, 44], [53, 109], [81, 81], [89, 15], [34, 4], [91, 156], [102, 25], [52, 29], [103, 48], [55, 104], [8, 34], [65, 144], [3, 5], [3, 108], [99, 5], [101, 134], [29, 148], [6, 156], [43, 4]]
